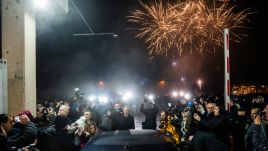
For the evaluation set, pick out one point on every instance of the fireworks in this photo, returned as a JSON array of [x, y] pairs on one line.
[[186, 26]]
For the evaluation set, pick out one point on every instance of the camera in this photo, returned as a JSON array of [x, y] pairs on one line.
[[17, 119], [44, 111]]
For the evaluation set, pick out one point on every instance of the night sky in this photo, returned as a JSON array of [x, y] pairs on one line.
[[65, 61]]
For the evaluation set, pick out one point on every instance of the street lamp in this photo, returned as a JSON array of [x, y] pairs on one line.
[[101, 83], [199, 82]]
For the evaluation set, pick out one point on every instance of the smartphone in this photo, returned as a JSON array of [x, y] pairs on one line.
[[17, 119]]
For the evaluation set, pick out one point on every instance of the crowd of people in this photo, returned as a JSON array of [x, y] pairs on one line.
[[61, 126], [201, 124]]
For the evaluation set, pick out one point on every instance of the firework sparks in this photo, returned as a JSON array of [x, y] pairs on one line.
[[185, 26]]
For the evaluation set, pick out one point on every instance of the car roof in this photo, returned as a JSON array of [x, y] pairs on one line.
[[133, 137]]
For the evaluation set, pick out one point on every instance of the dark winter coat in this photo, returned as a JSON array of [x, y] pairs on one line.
[[259, 137], [204, 141], [106, 123], [3, 142], [150, 117], [125, 123], [115, 117], [219, 127], [62, 141], [250, 142], [27, 137]]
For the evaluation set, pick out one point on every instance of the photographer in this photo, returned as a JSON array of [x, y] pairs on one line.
[[82, 136], [163, 121], [27, 135], [214, 133], [3, 137], [150, 115], [170, 125], [259, 133], [256, 135], [187, 124], [172, 128], [44, 117]]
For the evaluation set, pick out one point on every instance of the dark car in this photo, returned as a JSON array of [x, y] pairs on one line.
[[130, 140]]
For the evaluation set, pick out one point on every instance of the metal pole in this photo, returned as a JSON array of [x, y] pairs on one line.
[[94, 34], [226, 70]]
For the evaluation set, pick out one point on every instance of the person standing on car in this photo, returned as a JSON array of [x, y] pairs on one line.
[[126, 121], [150, 115]]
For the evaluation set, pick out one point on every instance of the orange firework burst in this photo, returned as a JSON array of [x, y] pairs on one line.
[[188, 25], [157, 26]]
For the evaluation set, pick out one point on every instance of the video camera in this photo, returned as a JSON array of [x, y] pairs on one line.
[[171, 109], [174, 114], [44, 111]]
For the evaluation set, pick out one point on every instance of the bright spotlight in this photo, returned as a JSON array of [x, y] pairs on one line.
[[103, 99], [91, 98], [127, 96], [175, 94], [187, 96], [181, 93], [40, 3], [151, 97]]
